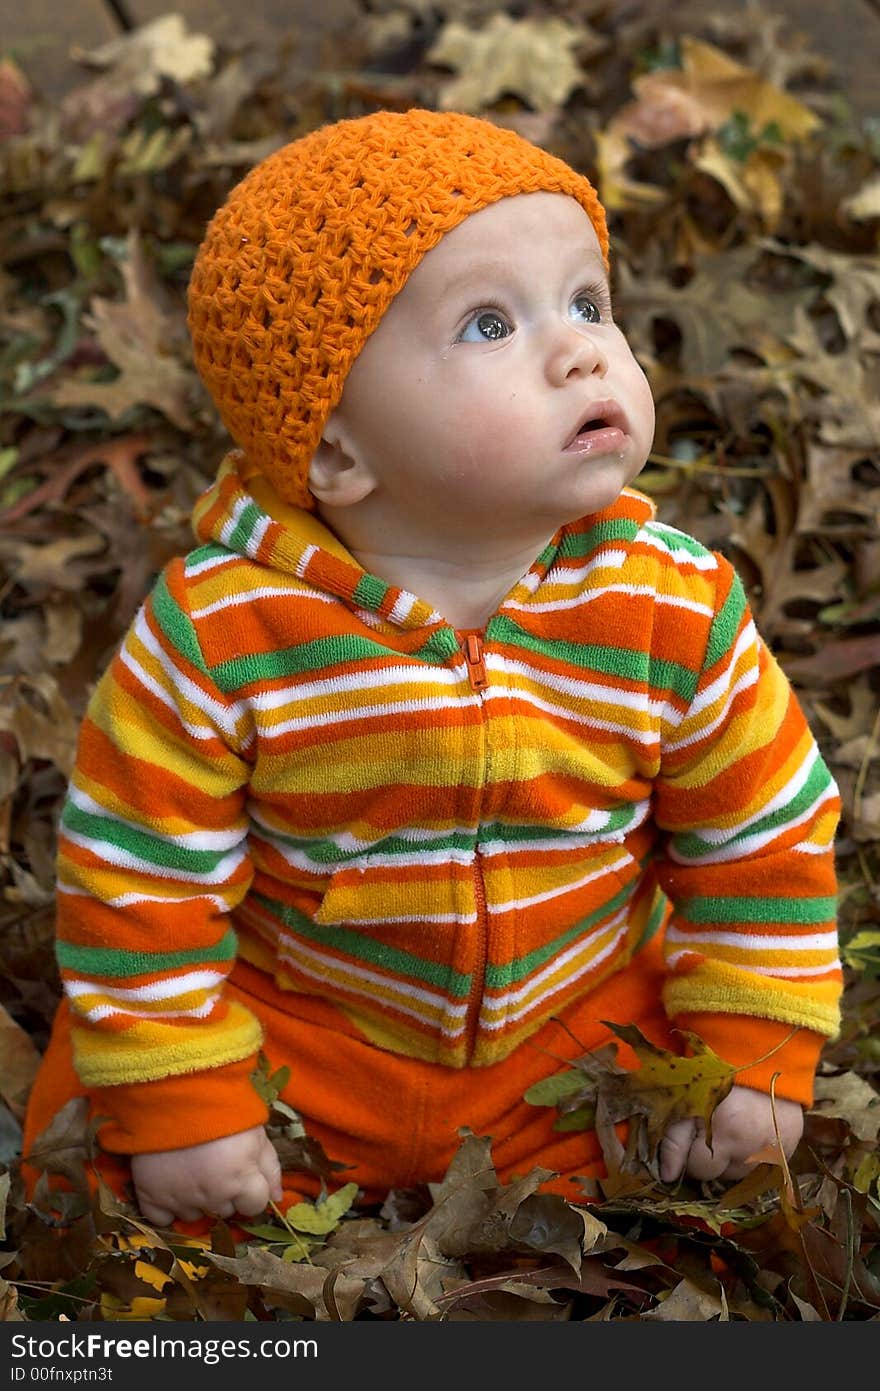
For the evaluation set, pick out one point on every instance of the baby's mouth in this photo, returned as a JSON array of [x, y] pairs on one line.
[[604, 427]]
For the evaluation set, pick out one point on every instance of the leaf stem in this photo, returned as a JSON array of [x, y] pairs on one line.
[[850, 1252]]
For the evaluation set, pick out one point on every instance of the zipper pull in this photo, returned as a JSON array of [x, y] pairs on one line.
[[476, 666]]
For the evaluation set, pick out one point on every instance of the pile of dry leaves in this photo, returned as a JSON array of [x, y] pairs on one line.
[[744, 200]]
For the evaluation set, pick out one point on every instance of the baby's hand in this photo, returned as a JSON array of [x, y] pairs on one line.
[[238, 1173], [741, 1126]]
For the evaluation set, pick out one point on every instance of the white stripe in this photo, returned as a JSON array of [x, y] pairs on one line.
[[303, 563], [374, 861], [571, 685], [224, 717], [105, 1011], [335, 686], [127, 900], [198, 567], [720, 834], [403, 606], [643, 590], [680, 554], [366, 712], [568, 840], [784, 971], [193, 840], [560, 889], [611, 559], [512, 693], [811, 847], [114, 855], [578, 948], [747, 639], [749, 844], [750, 678], [349, 844], [230, 521], [814, 941], [166, 989], [291, 950], [588, 967], [371, 619], [249, 596]]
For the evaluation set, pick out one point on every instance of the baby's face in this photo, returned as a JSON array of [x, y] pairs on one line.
[[470, 398]]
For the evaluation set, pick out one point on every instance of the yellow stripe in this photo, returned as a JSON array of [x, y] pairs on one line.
[[722, 989], [148, 1051]]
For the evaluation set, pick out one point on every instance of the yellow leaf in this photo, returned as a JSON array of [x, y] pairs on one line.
[[666, 1087], [754, 185], [703, 94], [616, 190], [530, 58], [323, 1217], [865, 203]]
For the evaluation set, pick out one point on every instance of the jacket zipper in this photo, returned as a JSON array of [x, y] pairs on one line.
[[476, 665], [479, 680]]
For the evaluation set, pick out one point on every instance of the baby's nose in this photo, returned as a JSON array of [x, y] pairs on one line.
[[574, 352]]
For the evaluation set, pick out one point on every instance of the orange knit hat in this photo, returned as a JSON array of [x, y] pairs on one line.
[[302, 260]]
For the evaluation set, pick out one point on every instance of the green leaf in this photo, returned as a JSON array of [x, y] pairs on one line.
[[583, 1118], [320, 1218], [549, 1091]]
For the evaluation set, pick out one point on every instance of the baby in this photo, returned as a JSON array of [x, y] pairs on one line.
[[439, 749]]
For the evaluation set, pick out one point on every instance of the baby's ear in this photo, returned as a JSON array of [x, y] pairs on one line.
[[338, 477]]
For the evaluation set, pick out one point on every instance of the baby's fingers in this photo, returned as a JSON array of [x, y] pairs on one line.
[[253, 1194], [159, 1216], [674, 1149], [270, 1168]]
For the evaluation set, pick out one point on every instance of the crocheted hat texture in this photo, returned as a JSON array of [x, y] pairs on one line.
[[302, 260]]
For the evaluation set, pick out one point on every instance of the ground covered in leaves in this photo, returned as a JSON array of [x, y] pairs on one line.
[[744, 202]]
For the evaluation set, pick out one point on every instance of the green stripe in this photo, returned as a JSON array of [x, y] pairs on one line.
[[577, 545], [679, 541], [658, 912], [311, 657], [139, 843], [108, 961], [610, 661], [210, 551], [327, 852], [363, 948], [691, 845], [617, 819], [502, 977], [803, 911], [176, 625], [442, 645], [370, 591], [240, 537], [725, 625]]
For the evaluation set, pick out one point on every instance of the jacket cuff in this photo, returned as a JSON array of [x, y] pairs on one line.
[[175, 1112], [745, 1042]]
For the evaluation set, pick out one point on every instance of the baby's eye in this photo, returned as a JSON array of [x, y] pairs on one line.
[[585, 310], [486, 326]]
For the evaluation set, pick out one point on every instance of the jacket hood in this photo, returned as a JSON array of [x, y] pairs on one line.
[[241, 512]]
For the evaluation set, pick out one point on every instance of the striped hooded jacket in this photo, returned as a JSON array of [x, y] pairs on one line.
[[445, 838]]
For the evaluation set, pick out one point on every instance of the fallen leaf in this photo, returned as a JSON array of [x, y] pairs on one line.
[[19, 1060], [161, 48], [688, 1303], [851, 1098], [708, 89], [530, 58], [666, 1087], [138, 337]]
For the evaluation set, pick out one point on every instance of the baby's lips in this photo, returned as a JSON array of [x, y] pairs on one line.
[[608, 412]]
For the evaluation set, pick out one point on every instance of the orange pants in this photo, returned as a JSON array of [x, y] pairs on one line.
[[394, 1119]]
